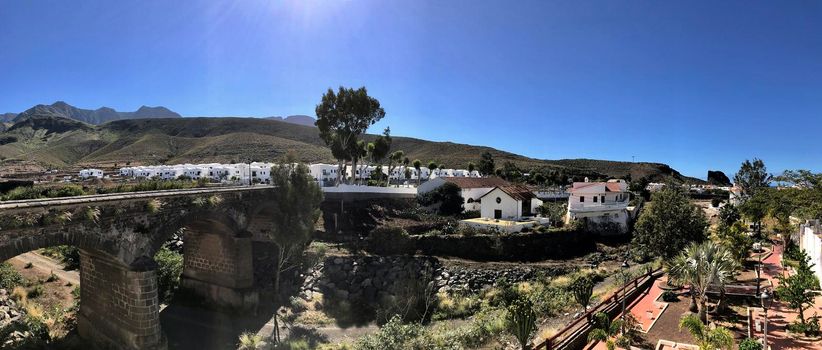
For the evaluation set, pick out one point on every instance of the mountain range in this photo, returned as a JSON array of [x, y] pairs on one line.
[[55, 137]]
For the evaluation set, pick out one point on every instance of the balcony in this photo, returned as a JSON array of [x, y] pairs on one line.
[[608, 205]]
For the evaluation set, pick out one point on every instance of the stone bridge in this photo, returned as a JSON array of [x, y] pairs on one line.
[[118, 235]]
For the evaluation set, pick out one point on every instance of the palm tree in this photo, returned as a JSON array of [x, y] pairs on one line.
[[703, 265], [471, 168], [707, 338], [418, 166], [432, 165]]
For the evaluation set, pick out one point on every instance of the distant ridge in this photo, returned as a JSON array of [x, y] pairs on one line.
[[298, 119], [98, 116], [61, 142]]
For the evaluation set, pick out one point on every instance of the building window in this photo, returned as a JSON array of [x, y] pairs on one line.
[[595, 199], [582, 199], [470, 200], [499, 200]]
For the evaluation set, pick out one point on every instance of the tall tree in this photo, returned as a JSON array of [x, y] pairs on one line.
[[668, 224], [293, 211], [345, 115], [432, 165], [418, 167], [486, 164], [394, 161], [381, 148], [752, 176], [755, 208], [798, 290], [471, 168]]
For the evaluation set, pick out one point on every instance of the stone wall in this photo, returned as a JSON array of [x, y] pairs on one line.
[[369, 278]]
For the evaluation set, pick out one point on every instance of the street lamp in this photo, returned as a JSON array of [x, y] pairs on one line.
[[624, 267], [766, 299], [758, 267]]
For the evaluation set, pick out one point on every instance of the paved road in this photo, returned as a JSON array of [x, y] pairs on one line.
[[48, 265]]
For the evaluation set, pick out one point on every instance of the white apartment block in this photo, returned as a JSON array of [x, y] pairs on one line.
[[599, 202], [91, 173]]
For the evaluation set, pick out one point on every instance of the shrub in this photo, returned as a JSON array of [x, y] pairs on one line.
[[35, 291], [455, 305], [68, 255], [750, 344], [52, 277], [392, 335], [9, 277], [470, 214], [390, 240], [447, 196], [170, 266], [669, 296], [715, 202], [153, 206], [251, 341]]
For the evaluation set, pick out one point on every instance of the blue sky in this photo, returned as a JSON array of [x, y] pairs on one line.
[[695, 84]]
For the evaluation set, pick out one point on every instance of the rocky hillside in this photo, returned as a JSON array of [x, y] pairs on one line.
[[60, 142]]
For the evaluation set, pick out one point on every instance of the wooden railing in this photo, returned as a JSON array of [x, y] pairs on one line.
[[558, 340]]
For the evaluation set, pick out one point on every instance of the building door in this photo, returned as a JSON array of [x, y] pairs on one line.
[[497, 214]]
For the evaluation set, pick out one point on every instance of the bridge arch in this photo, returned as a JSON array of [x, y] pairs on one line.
[[118, 236]]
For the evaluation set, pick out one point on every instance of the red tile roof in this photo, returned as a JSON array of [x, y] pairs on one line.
[[612, 187], [517, 192]]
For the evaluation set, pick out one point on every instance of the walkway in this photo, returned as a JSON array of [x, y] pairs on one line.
[[780, 315], [646, 309]]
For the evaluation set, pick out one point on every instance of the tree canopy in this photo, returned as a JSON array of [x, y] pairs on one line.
[[342, 117], [752, 176], [668, 224], [486, 164]]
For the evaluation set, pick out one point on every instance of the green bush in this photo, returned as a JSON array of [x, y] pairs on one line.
[[390, 240], [9, 277], [392, 335], [35, 192], [669, 296], [68, 255], [36, 291], [170, 266], [447, 196], [750, 344]]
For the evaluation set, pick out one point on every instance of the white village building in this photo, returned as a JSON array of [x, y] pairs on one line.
[[511, 202], [810, 239], [471, 189], [91, 173], [599, 202]]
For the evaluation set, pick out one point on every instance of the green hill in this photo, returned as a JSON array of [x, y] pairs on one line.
[[65, 143]]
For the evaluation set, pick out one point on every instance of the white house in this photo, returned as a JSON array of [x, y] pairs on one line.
[[510, 202], [599, 202], [325, 174], [472, 189], [810, 239], [89, 173], [261, 172]]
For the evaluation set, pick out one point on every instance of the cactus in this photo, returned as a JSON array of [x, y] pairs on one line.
[[521, 321]]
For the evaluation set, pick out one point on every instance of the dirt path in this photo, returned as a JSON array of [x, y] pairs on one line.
[[48, 265]]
